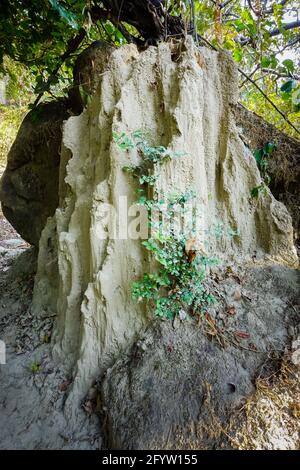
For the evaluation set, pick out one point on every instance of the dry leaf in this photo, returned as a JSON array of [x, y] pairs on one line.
[[242, 334], [237, 295], [231, 310]]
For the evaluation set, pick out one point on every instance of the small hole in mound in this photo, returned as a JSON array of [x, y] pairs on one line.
[[231, 387]]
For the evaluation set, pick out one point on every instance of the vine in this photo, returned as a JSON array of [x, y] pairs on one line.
[[177, 287], [262, 157]]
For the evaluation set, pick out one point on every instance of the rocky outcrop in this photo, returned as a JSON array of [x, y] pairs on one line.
[[183, 98], [284, 164], [29, 192], [88, 69], [29, 185]]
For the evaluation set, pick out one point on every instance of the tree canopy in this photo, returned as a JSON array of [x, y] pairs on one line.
[[46, 36]]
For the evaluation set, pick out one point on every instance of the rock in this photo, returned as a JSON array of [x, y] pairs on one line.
[[29, 185], [237, 294], [283, 166], [295, 358], [90, 66]]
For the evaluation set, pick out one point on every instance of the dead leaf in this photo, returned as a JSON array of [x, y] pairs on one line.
[[64, 385], [237, 294], [231, 310], [89, 406], [200, 60], [190, 245], [242, 334]]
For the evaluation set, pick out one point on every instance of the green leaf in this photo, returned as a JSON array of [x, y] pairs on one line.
[[255, 192], [274, 61], [269, 147], [289, 65], [265, 62], [258, 154], [237, 55], [68, 16], [287, 86], [239, 25], [229, 44]]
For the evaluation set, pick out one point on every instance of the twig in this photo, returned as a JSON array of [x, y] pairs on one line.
[[72, 46], [248, 78], [269, 100]]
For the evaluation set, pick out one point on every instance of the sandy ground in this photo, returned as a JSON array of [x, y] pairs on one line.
[[32, 389]]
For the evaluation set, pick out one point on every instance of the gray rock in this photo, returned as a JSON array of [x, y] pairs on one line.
[[89, 67], [29, 185]]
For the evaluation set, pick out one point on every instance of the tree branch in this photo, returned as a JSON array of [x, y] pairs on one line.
[[269, 100], [281, 75], [274, 32], [258, 87], [72, 46]]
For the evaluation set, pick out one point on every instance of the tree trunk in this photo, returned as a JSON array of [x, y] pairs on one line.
[[150, 17]]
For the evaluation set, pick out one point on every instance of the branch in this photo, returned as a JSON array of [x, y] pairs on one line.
[[258, 87], [270, 10], [281, 75], [72, 46], [274, 32], [269, 100], [286, 27], [289, 44]]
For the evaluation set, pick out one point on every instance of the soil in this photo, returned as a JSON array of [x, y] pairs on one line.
[[32, 388]]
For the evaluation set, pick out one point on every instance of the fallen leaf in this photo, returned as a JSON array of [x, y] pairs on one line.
[[242, 334], [231, 310], [200, 60], [64, 386], [89, 406], [237, 295]]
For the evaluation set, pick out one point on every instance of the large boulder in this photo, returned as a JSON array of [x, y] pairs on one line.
[[88, 69], [29, 189], [284, 164], [29, 185]]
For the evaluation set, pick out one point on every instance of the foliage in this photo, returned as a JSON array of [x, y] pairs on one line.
[[262, 157], [10, 121], [35, 367], [47, 35], [176, 288], [19, 83]]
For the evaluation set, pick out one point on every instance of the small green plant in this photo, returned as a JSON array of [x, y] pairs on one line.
[[262, 157], [260, 190], [35, 367], [177, 287]]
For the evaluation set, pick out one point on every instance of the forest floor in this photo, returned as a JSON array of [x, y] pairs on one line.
[[32, 389]]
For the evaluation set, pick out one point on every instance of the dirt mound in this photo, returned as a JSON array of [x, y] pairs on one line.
[[182, 385]]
